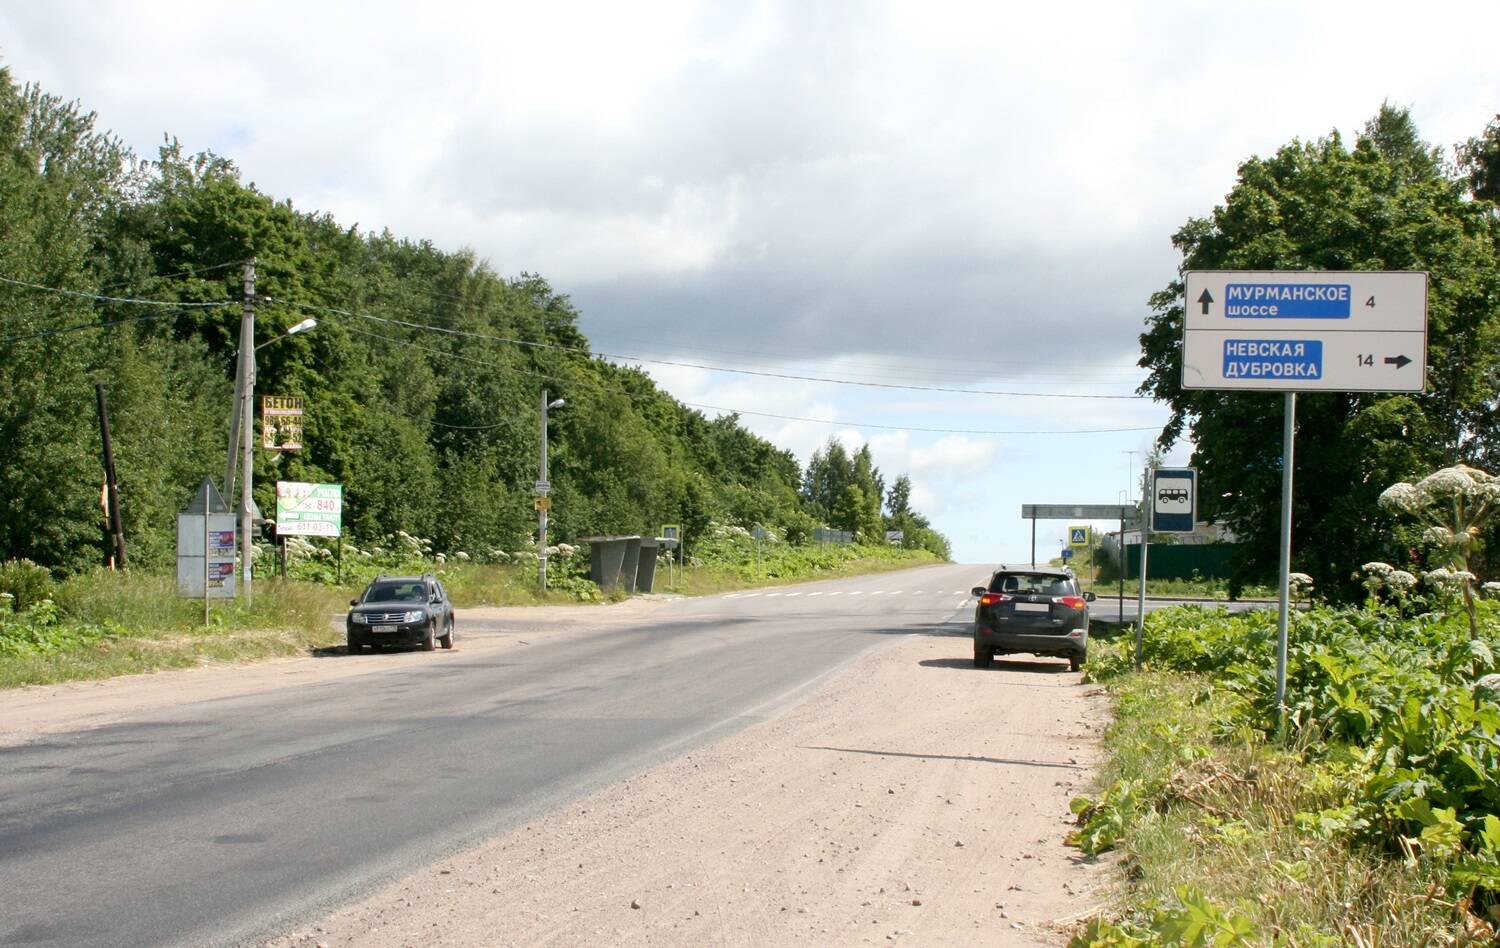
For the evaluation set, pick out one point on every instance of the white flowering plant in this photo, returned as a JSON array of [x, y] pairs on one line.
[[1454, 504]]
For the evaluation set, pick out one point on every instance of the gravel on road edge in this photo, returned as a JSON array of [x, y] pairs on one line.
[[912, 798]]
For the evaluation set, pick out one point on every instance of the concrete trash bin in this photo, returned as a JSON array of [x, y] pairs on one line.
[[614, 561]]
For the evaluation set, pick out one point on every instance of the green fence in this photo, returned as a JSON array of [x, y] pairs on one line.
[[1181, 560]]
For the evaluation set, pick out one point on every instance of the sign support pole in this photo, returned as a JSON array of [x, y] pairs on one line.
[[1288, 437], [1140, 604], [1121, 551], [1033, 543], [206, 508]]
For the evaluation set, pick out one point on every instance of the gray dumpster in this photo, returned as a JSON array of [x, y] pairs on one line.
[[615, 561]]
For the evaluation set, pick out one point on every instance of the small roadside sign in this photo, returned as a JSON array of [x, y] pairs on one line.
[[541, 503], [1067, 554], [1174, 500], [1078, 536], [543, 488], [671, 531]]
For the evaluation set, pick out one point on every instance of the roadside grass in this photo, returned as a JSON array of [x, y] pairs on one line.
[[102, 624], [1206, 822], [712, 578]]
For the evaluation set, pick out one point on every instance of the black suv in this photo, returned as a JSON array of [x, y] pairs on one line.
[[401, 610], [1035, 609]]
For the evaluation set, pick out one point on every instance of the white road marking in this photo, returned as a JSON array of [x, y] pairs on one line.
[[854, 592], [790, 595], [769, 595], [810, 595], [750, 595], [875, 592], [839, 593]]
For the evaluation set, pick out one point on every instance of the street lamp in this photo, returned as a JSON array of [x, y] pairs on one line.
[[543, 489], [304, 326]]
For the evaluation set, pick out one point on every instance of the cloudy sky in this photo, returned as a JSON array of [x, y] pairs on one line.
[[930, 195]]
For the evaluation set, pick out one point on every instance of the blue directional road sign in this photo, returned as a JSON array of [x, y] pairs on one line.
[[1301, 331], [1174, 500]]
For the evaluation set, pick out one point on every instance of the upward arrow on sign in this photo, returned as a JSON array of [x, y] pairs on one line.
[[1205, 299]]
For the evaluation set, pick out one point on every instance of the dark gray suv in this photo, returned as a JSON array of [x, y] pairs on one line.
[[401, 610], [1036, 609]]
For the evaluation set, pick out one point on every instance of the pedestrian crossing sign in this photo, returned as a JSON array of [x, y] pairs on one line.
[[1078, 536]]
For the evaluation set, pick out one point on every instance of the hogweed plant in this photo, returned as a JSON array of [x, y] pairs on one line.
[[1455, 504]]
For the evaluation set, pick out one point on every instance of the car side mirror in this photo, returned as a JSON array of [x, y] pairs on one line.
[[354, 602], [1089, 597], [978, 591]]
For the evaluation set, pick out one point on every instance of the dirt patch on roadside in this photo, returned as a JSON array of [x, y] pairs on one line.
[[912, 799]]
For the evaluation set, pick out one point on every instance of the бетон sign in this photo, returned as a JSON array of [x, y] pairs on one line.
[[1312, 331]]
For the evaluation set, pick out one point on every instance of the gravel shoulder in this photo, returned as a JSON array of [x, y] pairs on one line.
[[912, 798]]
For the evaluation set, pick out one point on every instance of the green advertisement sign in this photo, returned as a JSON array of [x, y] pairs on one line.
[[309, 510]]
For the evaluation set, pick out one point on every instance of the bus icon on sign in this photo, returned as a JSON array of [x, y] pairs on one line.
[[1173, 495]]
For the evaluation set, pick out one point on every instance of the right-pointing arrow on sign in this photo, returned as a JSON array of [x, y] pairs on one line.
[[1399, 361]]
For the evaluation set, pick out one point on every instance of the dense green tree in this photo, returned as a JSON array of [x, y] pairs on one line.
[[422, 380], [1384, 204], [58, 176]]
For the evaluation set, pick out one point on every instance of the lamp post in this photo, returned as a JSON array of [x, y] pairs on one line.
[[544, 489], [242, 419]]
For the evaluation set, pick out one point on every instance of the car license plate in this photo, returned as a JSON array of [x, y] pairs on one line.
[[1038, 607], [382, 628]]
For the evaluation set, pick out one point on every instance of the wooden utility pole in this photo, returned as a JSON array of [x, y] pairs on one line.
[[247, 425], [116, 558]]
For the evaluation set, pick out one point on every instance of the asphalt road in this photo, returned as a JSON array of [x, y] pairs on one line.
[[228, 821]]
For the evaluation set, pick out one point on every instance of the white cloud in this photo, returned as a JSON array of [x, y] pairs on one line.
[[945, 193]]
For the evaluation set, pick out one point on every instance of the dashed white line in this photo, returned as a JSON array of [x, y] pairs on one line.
[[749, 595], [769, 595], [838, 593], [810, 595], [790, 595], [854, 592]]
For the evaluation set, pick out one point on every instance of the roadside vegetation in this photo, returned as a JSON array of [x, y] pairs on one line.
[[1374, 819], [101, 624]]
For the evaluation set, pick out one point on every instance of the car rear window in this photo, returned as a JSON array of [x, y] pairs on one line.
[[1031, 584]]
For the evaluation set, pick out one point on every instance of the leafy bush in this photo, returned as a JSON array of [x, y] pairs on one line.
[[26, 582], [40, 630], [1383, 709]]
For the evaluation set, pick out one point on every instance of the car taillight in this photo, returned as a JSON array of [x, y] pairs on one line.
[[1072, 602], [989, 599]]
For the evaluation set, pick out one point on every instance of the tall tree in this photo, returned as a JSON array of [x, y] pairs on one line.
[[1385, 204], [58, 179]]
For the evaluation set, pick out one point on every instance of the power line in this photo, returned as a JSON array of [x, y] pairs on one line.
[[1125, 373], [973, 431], [82, 326], [710, 368], [186, 271], [738, 411], [116, 299]]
